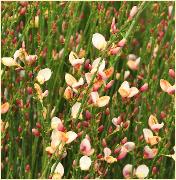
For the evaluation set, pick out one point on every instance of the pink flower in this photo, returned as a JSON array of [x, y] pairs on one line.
[[127, 92], [150, 153], [153, 123], [85, 147]]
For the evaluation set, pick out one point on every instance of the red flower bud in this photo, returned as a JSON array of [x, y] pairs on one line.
[[101, 128], [36, 132], [172, 73]]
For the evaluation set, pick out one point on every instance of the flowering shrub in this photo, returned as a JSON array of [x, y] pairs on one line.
[[87, 90]]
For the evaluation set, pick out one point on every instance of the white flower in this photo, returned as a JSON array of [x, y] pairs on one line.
[[126, 74], [99, 101], [74, 59], [71, 136], [99, 41], [125, 90], [85, 163], [8, 61], [75, 110], [56, 122], [59, 170], [153, 123], [127, 171], [71, 81], [44, 75], [95, 65], [129, 146], [149, 137], [142, 171]]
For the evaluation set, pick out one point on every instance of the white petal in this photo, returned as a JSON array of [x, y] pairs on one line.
[[147, 134], [85, 163], [74, 59], [107, 152], [79, 83], [133, 92], [142, 171], [129, 146], [95, 65], [126, 74], [88, 77], [124, 89], [164, 85], [115, 121], [103, 101], [99, 41], [127, 170], [75, 109], [157, 126], [94, 96], [59, 169], [8, 61], [44, 75], [55, 122], [70, 80], [71, 136]]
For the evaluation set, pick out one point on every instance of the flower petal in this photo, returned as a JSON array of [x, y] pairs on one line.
[[164, 85], [85, 163], [133, 92], [103, 101], [5, 107], [44, 75], [142, 171], [75, 110], [127, 171], [58, 170], [107, 152], [70, 80], [71, 136], [94, 96], [99, 41], [124, 89], [129, 146], [8, 61]]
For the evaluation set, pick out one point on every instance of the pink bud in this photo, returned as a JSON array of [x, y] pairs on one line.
[[78, 125], [101, 128], [133, 12], [88, 115], [85, 123], [109, 85], [99, 156], [126, 124], [154, 170], [122, 43], [104, 144], [117, 150], [27, 168], [144, 87], [87, 64], [172, 73], [23, 11], [38, 125], [113, 27], [122, 154], [19, 103], [114, 51], [107, 111], [35, 132], [162, 115], [20, 129], [29, 90], [124, 140]]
